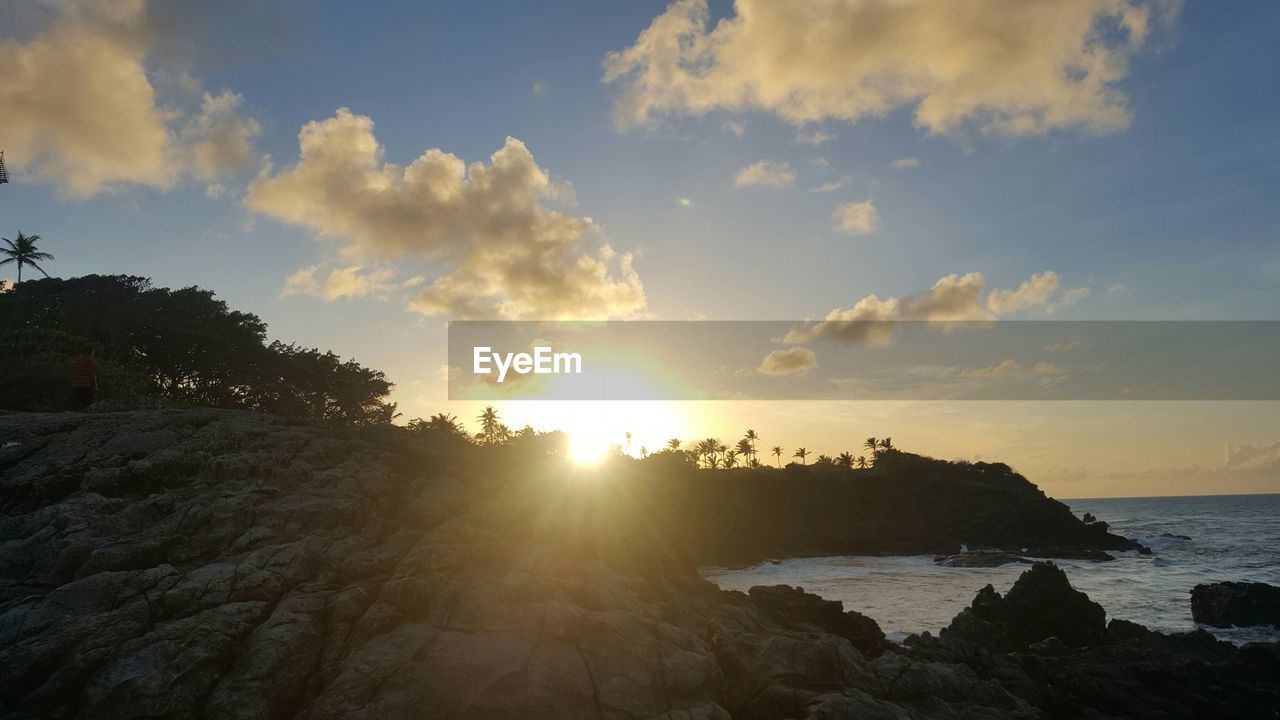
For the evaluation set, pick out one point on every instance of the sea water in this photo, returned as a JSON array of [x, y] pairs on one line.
[[1232, 537]]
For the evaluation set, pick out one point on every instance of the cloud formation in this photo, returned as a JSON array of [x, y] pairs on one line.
[[1042, 290], [765, 172], [1010, 66], [1253, 457], [792, 361], [350, 282], [855, 218], [953, 297], [81, 110], [1009, 367], [505, 252]]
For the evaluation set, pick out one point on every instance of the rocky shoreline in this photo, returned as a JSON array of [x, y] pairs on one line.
[[219, 564]]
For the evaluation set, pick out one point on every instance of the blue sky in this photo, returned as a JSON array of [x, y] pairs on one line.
[[1172, 216]]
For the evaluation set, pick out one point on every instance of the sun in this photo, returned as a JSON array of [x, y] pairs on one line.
[[597, 429], [587, 450]]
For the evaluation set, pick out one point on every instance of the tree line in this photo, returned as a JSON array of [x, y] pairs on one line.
[[180, 347]]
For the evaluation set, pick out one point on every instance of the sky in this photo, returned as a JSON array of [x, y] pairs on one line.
[[359, 176]]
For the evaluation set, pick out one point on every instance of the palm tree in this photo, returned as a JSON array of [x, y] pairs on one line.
[[802, 454], [744, 449], [628, 434], [886, 443], [861, 461], [23, 251], [752, 437], [673, 444], [710, 449], [845, 460], [777, 452], [492, 431], [644, 452], [730, 459], [872, 444]]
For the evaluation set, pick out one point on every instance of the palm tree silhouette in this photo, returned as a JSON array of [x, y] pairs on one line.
[[845, 459], [872, 444], [802, 454], [673, 444], [730, 459], [777, 452], [751, 437], [886, 443], [744, 449], [861, 461], [492, 431], [23, 251]]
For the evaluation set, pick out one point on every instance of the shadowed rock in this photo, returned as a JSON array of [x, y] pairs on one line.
[[221, 564], [1229, 604]]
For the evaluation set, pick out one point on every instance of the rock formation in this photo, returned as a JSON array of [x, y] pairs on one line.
[[222, 564], [1229, 604]]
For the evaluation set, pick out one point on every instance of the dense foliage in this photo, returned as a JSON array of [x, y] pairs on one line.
[[182, 347]]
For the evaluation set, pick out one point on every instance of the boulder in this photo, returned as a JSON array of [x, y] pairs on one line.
[[1040, 605], [1232, 604]]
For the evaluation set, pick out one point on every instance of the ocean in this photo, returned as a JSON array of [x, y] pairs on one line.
[[1232, 537]]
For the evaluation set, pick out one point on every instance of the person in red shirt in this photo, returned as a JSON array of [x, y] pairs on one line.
[[84, 378]]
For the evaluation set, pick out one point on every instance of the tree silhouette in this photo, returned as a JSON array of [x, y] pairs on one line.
[[23, 251], [802, 454], [886, 443], [861, 461], [872, 444], [777, 453], [673, 444], [845, 459], [492, 431], [751, 437], [628, 434], [730, 459]]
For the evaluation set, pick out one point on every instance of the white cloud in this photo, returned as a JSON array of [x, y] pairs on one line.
[[765, 172], [813, 137], [736, 127], [504, 251], [1042, 290], [818, 162], [1253, 457], [856, 218], [350, 282], [907, 162], [792, 361], [953, 297], [1010, 66], [81, 111], [1010, 367], [828, 186], [538, 89], [219, 139], [1000, 369]]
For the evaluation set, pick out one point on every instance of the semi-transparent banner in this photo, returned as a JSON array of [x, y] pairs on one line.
[[864, 360]]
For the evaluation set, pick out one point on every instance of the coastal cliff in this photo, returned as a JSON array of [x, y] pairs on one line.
[[218, 564]]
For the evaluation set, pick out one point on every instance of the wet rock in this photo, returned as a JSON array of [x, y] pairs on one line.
[[1230, 604], [979, 559]]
